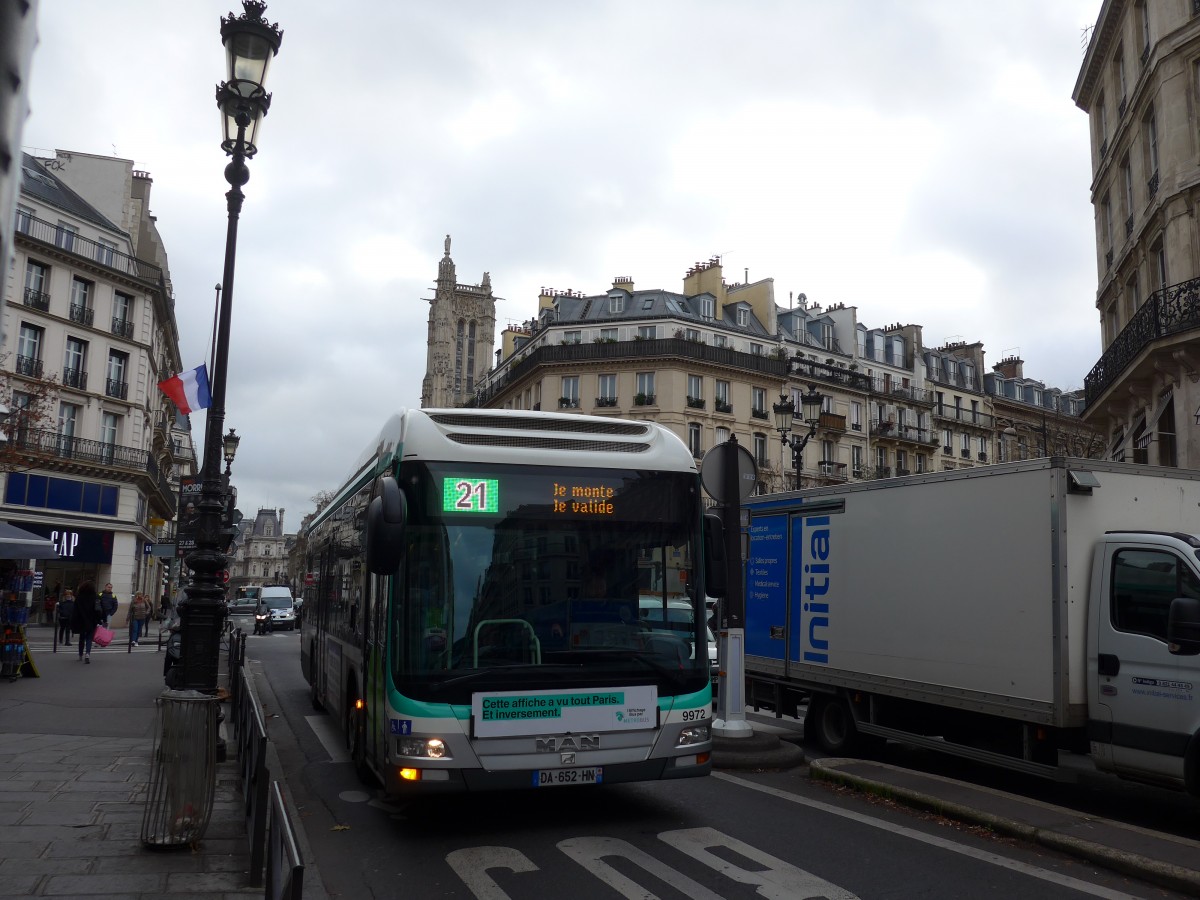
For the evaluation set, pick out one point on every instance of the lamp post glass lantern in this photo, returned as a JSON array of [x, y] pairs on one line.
[[250, 44], [785, 422]]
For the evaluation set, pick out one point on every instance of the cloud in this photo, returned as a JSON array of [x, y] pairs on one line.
[[921, 161]]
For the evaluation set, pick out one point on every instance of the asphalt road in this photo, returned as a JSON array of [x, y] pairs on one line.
[[734, 835]]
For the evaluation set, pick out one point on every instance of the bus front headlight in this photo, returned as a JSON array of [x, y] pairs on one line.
[[692, 735], [422, 747]]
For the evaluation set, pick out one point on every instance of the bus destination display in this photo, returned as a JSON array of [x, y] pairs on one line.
[[464, 494]]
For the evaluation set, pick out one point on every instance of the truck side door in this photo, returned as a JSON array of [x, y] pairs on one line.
[[1150, 695]]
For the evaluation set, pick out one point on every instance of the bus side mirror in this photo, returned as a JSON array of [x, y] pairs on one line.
[[1183, 626], [386, 515], [714, 556]]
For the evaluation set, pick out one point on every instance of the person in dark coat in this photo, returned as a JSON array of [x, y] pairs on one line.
[[87, 616]]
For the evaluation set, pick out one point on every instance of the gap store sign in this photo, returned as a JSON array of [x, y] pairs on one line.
[[82, 545]]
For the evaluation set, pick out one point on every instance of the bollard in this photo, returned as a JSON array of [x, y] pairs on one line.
[[183, 770]]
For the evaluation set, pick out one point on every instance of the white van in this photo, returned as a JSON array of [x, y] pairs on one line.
[[677, 619], [282, 606]]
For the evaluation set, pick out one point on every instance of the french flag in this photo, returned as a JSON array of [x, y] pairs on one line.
[[188, 390]]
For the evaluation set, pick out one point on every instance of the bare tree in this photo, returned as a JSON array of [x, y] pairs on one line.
[[321, 499], [32, 403]]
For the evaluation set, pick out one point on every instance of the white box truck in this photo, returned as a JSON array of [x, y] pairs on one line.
[[1005, 613]]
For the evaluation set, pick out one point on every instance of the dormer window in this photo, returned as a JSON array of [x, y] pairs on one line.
[[743, 316], [616, 303], [706, 307]]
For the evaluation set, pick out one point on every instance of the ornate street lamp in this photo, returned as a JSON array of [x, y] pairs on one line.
[[785, 422], [250, 44], [229, 445]]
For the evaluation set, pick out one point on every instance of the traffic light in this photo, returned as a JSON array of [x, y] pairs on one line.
[[232, 519]]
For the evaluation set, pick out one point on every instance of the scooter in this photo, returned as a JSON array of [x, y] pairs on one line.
[[262, 623]]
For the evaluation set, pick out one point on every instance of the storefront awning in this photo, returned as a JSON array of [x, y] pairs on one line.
[[16, 543]]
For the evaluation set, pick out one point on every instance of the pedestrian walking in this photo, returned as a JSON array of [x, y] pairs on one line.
[[87, 616], [66, 610], [139, 617], [108, 604]]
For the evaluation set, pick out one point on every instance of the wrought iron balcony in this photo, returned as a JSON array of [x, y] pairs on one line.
[[118, 389], [1129, 225], [568, 403], [1121, 106], [643, 399], [1104, 148], [29, 366], [722, 406], [606, 401], [69, 453], [84, 315], [965, 416], [695, 402], [758, 414], [38, 300], [93, 251], [1152, 184], [1175, 310], [75, 378], [122, 328]]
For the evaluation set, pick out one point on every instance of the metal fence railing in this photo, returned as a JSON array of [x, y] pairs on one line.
[[269, 830]]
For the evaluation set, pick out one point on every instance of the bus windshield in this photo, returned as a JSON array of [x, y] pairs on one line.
[[513, 569]]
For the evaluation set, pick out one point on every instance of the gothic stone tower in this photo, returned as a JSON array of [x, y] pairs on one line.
[[462, 330]]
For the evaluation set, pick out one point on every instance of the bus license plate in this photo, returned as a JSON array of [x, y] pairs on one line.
[[556, 777]]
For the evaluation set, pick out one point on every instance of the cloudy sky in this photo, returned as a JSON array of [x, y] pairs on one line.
[[920, 160]]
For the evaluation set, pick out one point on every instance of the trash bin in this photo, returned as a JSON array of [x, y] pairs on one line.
[[183, 770]]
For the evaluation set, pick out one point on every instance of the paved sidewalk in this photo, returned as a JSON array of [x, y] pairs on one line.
[[75, 749]]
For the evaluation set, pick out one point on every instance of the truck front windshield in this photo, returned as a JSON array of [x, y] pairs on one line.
[[517, 574]]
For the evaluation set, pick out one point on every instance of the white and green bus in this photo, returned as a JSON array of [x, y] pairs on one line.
[[480, 584]]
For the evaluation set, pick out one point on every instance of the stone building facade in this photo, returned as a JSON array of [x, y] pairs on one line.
[[1139, 85], [462, 332], [94, 450]]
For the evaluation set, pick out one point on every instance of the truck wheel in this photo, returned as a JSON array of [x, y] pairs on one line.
[[828, 722]]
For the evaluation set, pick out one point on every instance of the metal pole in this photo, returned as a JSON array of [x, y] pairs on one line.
[[732, 702], [203, 615]]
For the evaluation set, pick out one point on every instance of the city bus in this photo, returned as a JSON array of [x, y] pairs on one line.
[[479, 591]]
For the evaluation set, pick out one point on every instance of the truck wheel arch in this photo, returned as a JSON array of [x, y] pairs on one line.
[[1191, 766]]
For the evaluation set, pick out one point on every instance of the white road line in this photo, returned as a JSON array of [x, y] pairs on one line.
[[982, 855], [329, 736]]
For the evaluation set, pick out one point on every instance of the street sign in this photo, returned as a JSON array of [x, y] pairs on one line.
[[712, 477], [310, 579]]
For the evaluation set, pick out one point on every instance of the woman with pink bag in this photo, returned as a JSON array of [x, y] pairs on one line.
[[87, 616]]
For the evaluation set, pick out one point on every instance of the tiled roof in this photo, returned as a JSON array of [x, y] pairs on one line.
[[38, 182]]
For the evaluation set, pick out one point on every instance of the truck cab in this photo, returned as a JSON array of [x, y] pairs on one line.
[[1144, 674]]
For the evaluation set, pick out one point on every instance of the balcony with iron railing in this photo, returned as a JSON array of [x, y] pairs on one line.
[[84, 315], [29, 366], [722, 406], [101, 254], [73, 453], [116, 389], [75, 378], [122, 328], [965, 416], [39, 300], [605, 402], [1171, 312], [903, 392], [526, 362]]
